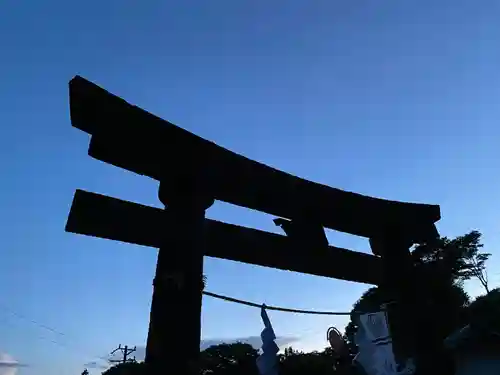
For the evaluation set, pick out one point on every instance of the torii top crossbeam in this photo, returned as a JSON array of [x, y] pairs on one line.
[[128, 137]]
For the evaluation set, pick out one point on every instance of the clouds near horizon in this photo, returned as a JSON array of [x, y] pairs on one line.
[[8, 365]]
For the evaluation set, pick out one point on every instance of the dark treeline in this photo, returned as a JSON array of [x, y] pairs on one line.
[[240, 359]]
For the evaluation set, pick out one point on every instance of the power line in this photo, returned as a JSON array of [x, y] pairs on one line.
[[20, 316], [45, 338], [276, 308], [49, 329], [127, 351]]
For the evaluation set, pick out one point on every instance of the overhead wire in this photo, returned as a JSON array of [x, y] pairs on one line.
[[52, 330], [206, 293]]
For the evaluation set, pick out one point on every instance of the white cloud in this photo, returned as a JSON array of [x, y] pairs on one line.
[[8, 365], [96, 365]]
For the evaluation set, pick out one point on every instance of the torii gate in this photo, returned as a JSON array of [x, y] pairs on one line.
[[193, 172]]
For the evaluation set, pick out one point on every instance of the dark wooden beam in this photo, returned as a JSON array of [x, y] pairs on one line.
[[131, 138], [105, 217]]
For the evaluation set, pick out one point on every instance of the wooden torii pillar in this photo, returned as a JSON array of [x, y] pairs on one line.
[[174, 326], [193, 172]]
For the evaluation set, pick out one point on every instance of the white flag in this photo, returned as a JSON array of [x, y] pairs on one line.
[[375, 346]]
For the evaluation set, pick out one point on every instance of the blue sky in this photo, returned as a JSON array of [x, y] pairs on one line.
[[396, 99]]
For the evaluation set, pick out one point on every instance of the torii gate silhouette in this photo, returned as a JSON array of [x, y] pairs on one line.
[[193, 172]]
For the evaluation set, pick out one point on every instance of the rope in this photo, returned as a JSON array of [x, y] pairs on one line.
[[283, 309]]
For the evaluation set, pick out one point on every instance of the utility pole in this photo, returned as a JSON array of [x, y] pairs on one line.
[[126, 351]]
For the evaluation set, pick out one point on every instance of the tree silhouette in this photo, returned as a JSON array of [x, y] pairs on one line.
[[485, 310], [127, 368], [229, 359]]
